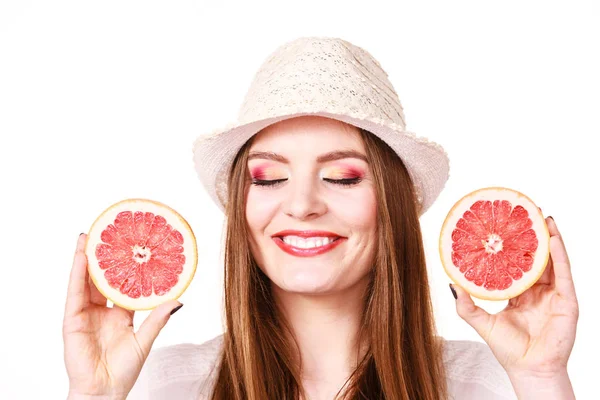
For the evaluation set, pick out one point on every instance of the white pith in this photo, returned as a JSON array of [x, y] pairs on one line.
[[493, 243], [141, 254], [307, 243], [173, 219], [540, 256]]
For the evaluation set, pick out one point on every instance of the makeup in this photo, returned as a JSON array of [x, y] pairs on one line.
[[267, 171], [342, 171], [306, 252]]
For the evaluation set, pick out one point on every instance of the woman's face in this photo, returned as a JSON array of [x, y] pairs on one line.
[[311, 206]]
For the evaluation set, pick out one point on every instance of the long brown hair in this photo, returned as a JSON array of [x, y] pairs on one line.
[[403, 359]]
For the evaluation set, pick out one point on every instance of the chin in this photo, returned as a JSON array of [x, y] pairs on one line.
[[306, 282], [317, 276]]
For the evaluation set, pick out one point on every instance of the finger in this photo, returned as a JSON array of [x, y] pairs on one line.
[[154, 323], [563, 279], [547, 277], [473, 315], [95, 296], [77, 291]]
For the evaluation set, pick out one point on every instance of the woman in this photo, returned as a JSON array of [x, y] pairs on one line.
[[326, 290]]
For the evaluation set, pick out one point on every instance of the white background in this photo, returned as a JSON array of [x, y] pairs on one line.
[[101, 101]]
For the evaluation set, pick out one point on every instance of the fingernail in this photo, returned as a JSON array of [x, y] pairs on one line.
[[453, 291], [80, 234], [549, 216], [176, 309]]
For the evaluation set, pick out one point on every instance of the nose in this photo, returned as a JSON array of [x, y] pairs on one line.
[[304, 200]]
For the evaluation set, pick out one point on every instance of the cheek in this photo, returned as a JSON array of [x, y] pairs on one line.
[[260, 209], [357, 208]]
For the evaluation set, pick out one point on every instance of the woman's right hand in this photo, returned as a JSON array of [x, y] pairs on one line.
[[103, 355]]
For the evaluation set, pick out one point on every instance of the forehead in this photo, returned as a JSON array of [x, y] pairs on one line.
[[308, 134]]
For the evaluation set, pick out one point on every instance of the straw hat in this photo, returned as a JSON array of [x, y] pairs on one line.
[[329, 77]]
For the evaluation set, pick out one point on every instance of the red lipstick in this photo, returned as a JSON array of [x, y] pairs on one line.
[[301, 252], [306, 234]]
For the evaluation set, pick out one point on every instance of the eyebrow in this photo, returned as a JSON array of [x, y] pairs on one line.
[[331, 156]]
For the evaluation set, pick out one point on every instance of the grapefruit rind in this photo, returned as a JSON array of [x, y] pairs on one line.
[[175, 220], [542, 252]]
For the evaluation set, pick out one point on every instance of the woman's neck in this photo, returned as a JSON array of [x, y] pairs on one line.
[[326, 329]]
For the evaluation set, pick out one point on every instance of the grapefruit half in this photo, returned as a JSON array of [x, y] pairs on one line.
[[141, 253], [494, 243]]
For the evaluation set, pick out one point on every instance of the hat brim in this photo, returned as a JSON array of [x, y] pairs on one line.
[[426, 161]]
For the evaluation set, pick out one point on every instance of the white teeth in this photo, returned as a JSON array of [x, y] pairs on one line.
[[307, 243]]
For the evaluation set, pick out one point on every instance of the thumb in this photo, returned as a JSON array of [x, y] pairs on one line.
[[154, 323], [473, 315]]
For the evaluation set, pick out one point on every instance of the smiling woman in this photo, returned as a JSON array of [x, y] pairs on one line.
[[325, 179]]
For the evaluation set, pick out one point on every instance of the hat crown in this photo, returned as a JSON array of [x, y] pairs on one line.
[[329, 77], [328, 74]]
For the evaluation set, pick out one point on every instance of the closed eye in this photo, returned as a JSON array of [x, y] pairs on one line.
[[265, 182], [345, 181], [275, 182]]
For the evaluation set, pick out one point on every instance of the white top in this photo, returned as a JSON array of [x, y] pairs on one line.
[[182, 371]]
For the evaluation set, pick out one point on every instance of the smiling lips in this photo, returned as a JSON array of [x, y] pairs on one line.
[[306, 243]]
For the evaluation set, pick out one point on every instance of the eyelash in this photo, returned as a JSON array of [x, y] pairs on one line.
[[275, 182]]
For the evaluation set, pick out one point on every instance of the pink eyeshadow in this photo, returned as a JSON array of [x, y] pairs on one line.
[[265, 171], [344, 171]]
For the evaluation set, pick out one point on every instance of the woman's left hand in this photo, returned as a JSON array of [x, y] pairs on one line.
[[534, 335]]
